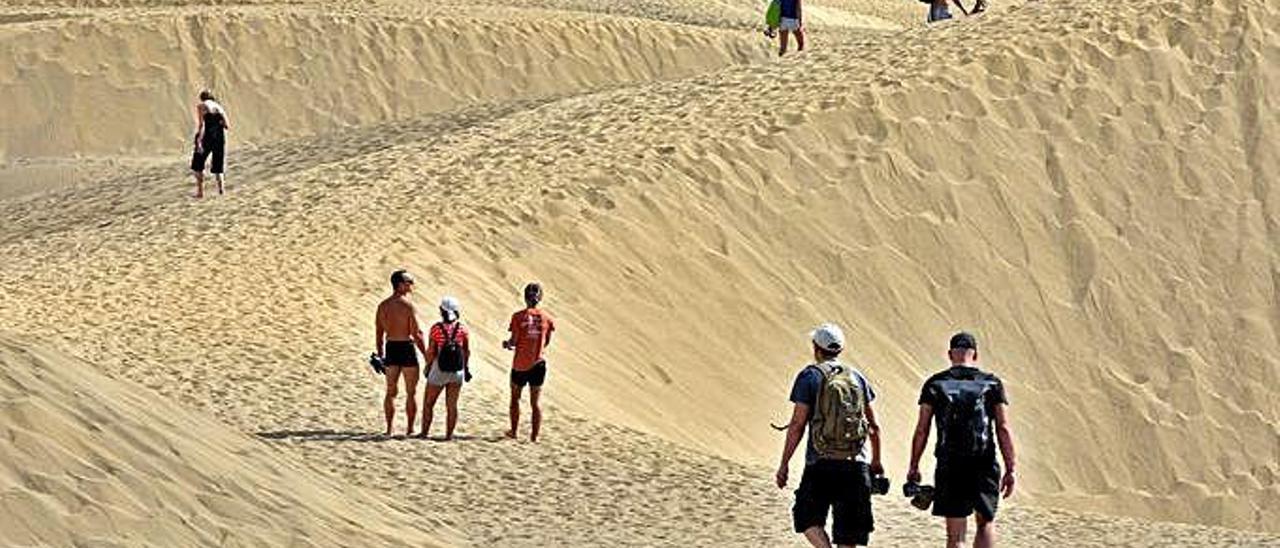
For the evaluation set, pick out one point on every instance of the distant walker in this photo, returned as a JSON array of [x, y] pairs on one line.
[[210, 141]]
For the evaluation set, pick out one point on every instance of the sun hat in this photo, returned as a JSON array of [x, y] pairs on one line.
[[450, 308], [829, 337]]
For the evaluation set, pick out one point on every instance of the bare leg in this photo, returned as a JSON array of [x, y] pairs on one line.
[[217, 177], [817, 536], [782, 42], [536, 414], [429, 407], [799, 41], [956, 531], [411, 405], [199, 175], [389, 400], [514, 410], [451, 393], [985, 536]]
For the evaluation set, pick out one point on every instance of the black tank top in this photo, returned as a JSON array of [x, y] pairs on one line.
[[213, 131]]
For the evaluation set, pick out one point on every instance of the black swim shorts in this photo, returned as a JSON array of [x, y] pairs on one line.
[[213, 150], [965, 486], [533, 377], [843, 488], [400, 354]]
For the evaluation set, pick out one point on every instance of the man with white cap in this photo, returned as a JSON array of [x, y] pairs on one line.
[[833, 401], [448, 352]]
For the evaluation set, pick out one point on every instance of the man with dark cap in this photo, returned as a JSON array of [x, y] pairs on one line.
[[969, 406]]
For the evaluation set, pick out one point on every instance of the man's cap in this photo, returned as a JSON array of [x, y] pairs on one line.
[[450, 308], [829, 337], [964, 341], [401, 276]]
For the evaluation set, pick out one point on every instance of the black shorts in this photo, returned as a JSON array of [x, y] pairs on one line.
[[533, 377], [965, 486], [400, 354], [214, 151], [844, 487]]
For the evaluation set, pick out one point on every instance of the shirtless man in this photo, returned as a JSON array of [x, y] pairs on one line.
[[397, 327]]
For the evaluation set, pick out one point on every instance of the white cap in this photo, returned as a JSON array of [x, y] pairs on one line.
[[829, 337], [450, 308]]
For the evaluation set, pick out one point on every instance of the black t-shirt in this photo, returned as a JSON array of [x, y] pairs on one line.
[[932, 394]]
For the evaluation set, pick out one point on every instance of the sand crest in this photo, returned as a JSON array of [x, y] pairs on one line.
[[1088, 185]]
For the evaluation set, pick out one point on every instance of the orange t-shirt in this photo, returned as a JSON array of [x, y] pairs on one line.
[[530, 329]]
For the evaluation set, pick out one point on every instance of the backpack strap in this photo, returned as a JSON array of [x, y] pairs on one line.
[[828, 368]]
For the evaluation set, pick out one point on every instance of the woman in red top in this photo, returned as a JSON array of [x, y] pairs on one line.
[[448, 352]]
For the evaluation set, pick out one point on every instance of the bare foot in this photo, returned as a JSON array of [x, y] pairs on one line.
[[510, 434]]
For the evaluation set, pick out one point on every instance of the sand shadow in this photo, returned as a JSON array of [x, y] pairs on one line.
[[461, 438], [367, 437], [328, 435]]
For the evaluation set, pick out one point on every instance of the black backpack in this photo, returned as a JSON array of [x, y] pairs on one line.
[[451, 359], [964, 426]]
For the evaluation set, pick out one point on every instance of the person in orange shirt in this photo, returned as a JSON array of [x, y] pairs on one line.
[[530, 335]]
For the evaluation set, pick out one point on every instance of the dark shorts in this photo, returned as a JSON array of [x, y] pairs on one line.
[[967, 486], [533, 377], [214, 151], [842, 487], [400, 354]]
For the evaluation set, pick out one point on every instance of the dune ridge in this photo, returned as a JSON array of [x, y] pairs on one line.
[[1089, 185], [287, 71]]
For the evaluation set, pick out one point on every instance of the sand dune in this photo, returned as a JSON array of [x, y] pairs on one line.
[[1088, 185], [288, 71], [91, 461]]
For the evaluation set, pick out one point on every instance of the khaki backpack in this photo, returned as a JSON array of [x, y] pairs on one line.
[[839, 424]]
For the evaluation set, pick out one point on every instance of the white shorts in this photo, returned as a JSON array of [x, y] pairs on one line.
[[436, 377], [788, 23]]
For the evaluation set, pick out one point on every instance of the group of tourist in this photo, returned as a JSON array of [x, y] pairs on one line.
[[786, 17], [832, 407], [446, 350], [833, 402]]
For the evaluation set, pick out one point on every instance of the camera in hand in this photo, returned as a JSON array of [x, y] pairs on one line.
[[921, 495], [879, 484]]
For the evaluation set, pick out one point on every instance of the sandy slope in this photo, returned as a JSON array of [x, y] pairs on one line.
[[289, 71], [92, 461], [1090, 185]]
